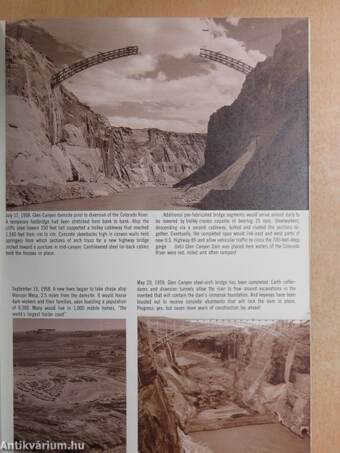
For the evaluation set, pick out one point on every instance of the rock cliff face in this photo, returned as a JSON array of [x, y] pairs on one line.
[[151, 156], [223, 377], [56, 52], [58, 148], [157, 429], [277, 377], [271, 370], [272, 112]]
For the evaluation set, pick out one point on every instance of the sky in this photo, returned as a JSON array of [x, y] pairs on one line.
[[23, 325], [167, 86]]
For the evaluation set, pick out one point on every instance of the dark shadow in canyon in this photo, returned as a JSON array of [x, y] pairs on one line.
[[269, 118]]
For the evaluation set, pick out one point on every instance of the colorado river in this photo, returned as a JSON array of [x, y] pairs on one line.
[[166, 198], [273, 438]]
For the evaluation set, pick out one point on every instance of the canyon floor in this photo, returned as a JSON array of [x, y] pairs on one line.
[[269, 438], [70, 386], [142, 198]]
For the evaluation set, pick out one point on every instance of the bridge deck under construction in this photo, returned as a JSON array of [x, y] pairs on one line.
[[102, 57]]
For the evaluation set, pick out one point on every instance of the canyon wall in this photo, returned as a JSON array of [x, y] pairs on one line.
[[166, 397], [224, 377], [153, 157], [270, 369], [270, 112], [277, 377], [157, 427], [59, 148]]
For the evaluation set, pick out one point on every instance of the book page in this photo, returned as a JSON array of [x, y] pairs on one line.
[[157, 235]]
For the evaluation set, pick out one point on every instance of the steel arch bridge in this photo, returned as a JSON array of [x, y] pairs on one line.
[[219, 57], [101, 57]]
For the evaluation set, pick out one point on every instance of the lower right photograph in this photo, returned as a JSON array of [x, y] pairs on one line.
[[223, 386]]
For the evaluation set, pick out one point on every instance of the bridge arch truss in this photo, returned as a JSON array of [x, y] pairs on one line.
[[233, 63], [101, 57]]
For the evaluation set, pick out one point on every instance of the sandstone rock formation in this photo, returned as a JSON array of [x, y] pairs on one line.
[[151, 156], [272, 112], [58, 148], [157, 429], [216, 377], [58, 53], [277, 377]]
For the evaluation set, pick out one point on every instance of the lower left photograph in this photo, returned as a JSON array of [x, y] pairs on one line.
[[70, 383]]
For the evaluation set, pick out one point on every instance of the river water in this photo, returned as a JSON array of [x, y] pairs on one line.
[[166, 198], [271, 438]]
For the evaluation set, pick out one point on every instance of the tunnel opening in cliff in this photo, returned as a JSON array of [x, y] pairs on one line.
[[212, 377]]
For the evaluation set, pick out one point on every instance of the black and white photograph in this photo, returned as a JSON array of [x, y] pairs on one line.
[[157, 114], [218, 386], [70, 383]]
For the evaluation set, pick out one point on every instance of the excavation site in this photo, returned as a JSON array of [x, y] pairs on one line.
[[223, 386]]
